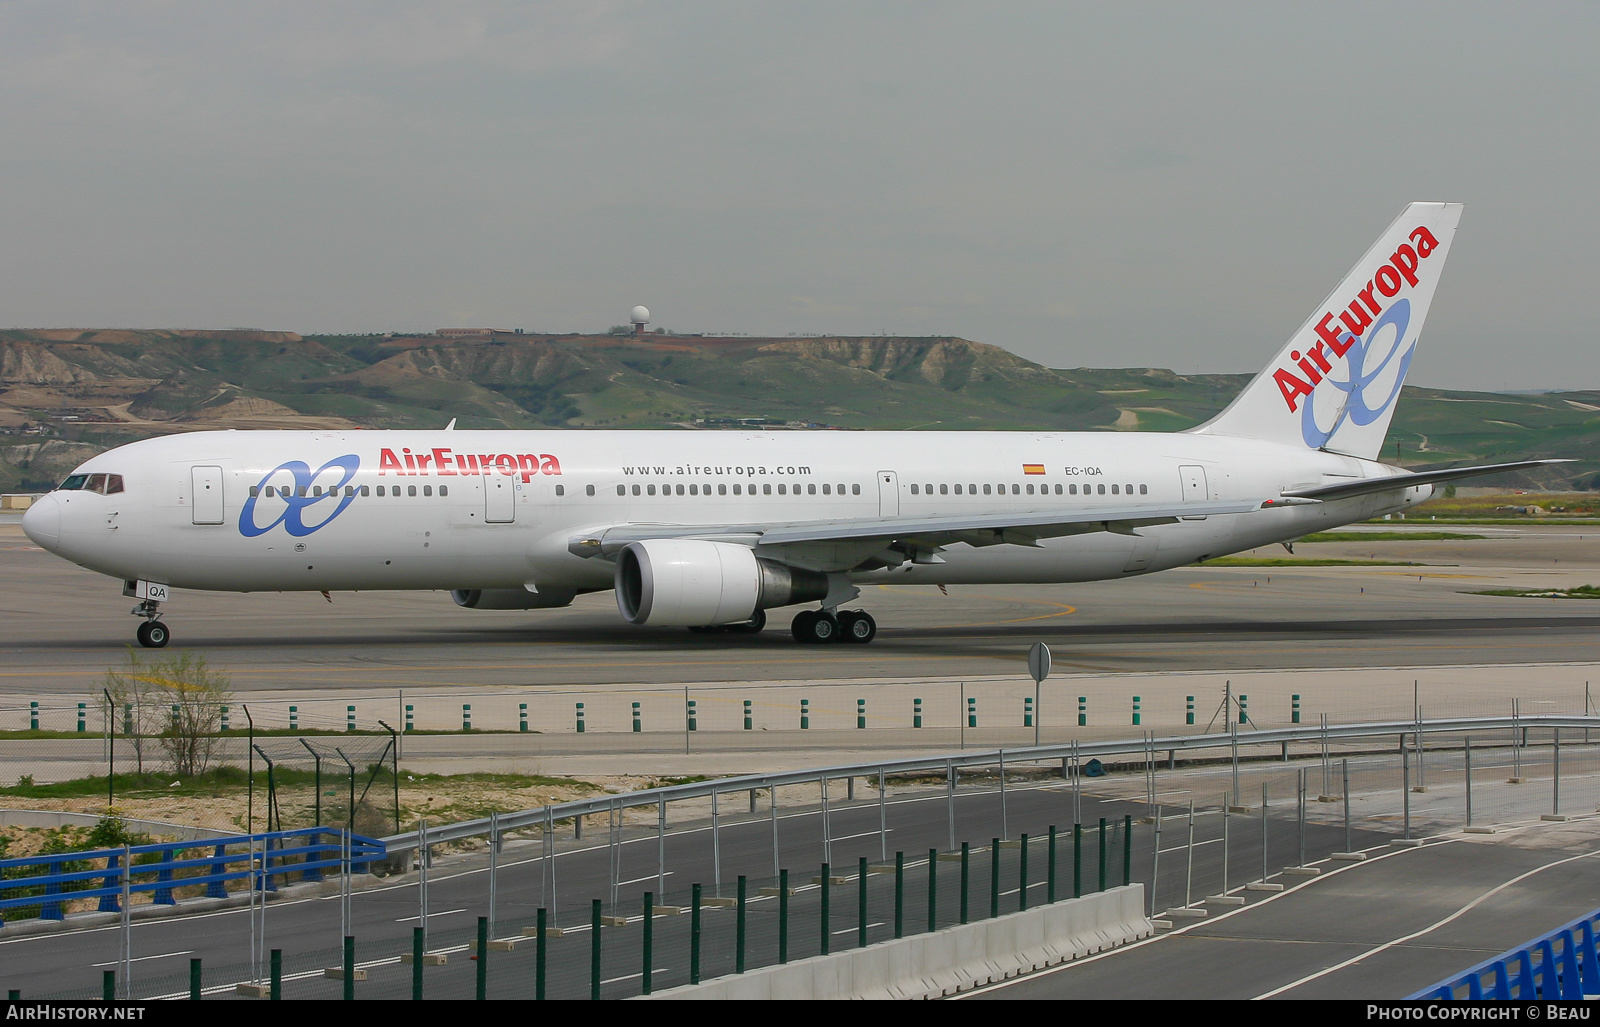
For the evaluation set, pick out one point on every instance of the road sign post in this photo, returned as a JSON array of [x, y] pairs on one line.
[[1039, 669]]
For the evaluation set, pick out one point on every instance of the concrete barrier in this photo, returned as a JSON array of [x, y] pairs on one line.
[[948, 961]]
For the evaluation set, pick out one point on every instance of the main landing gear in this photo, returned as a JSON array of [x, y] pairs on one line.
[[818, 626], [152, 634]]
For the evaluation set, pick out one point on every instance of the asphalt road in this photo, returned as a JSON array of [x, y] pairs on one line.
[[308, 930], [1385, 928]]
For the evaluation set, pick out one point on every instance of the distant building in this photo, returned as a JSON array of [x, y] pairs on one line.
[[474, 333]]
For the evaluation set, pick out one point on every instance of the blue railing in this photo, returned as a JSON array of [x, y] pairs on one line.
[[1560, 965], [306, 852]]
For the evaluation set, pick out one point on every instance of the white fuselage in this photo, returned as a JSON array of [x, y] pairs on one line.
[[497, 509]]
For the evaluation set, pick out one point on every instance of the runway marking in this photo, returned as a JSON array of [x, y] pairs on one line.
[[1063, 612], [1426, 930], [641, 880], [863, 834]]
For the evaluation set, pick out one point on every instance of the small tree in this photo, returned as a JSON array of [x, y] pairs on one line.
[[134, 701], [179, 699]]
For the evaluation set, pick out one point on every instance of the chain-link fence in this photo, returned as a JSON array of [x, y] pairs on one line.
[[936, 846]]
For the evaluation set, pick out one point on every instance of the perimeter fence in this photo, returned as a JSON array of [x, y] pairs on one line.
[[927, 841], [51, 740]]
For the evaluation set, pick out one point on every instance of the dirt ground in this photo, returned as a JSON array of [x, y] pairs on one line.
[[441, 801]]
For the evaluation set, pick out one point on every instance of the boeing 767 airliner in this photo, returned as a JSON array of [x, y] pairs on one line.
[[710, 530]]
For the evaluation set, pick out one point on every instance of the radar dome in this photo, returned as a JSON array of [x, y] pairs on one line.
[[641, 315]]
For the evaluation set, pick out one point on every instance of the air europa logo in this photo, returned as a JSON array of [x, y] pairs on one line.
[[441, 461], [1350, 335], [298, 510]]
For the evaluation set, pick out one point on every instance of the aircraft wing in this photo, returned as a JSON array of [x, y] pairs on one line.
[[1022, 528], [1366, 486]]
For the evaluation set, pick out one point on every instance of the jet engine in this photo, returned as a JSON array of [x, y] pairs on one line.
[[693, 582], [512, 598]]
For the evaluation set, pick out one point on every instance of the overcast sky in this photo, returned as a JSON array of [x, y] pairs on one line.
[[1106, 184]]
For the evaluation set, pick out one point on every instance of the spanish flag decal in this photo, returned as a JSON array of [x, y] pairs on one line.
[[1033, 468]]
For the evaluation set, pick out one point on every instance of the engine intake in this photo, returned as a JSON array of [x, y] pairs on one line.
[[693, 582]]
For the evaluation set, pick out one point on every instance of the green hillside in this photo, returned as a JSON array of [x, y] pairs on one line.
[[66, 393]]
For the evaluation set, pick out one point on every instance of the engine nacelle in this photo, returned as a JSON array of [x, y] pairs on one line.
[[512, 598], [692, 582]]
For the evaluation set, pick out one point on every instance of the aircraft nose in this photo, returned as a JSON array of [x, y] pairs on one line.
[[42, 522]]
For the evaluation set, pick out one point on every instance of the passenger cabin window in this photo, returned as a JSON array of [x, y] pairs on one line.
[[913, 490], [427, 490], [444, 490], [561, 490], [411, 490], [1102, 490], [1144, 490], [588, 490], [855, 490]]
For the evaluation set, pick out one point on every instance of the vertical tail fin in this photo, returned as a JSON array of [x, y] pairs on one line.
[[1334, 384]]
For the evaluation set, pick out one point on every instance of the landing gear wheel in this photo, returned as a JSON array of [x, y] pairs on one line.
[[153, 634], [815, 626], [751, 626], [857, 626]]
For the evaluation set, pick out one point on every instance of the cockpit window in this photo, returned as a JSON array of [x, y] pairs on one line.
[[105, 484]]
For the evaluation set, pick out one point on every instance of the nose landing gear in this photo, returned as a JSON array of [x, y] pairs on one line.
[[152, 634]]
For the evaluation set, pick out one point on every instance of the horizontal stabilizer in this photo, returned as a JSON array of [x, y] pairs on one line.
[[1367, 486]]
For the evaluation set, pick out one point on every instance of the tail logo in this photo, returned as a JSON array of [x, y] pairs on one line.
[[1339, 339], [1356, 404]]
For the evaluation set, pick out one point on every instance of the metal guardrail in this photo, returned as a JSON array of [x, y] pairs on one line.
[[399, 844], [1563, 964], [277, 851]]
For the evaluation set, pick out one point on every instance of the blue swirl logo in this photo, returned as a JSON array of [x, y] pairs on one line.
[[1356, 406], [297, 499]]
